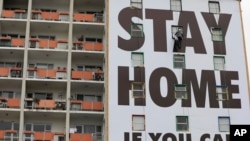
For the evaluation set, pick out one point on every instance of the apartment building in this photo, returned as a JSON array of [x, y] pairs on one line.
[[52, 70], [121, 70]]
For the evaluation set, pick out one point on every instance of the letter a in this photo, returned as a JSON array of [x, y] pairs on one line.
[[237, 132]]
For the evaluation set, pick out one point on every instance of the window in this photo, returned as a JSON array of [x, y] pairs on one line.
[[84, 97], [175, 5], [221, 92], [219, 63], [137, 59], [182, 123], [136, 30], [214, 7], [41, 127], [88, 128], [180, 91], [224, 124], [217, 34], [138, 122], [179, 61], [136, 4], [38, 127], [39, 95], [138, 90]]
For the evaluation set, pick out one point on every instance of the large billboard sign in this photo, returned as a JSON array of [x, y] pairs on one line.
[[160, 93]]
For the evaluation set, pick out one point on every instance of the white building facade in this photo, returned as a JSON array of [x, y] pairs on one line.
[[115, 70], [190, 93]]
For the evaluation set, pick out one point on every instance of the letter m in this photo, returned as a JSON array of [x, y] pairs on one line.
[[125, 85]]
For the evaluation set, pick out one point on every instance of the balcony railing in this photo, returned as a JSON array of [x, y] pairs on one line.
[[43, 136], [9, 102], [51, 16], [82, 17], [11, 42], [17, 14], [88, 75], [8, 135], [85, 137], [10, 72], [86, 105], [88, 46], [41, 73], [48, 104], [48, 44]]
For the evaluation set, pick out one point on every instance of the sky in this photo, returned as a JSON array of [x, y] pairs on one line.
[[245, 6]]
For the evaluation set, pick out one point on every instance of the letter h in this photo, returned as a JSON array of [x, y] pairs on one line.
[[124, 85]]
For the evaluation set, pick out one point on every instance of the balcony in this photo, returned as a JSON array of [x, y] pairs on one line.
[[87, 46], [88, 75], [86, 105], [85, 137], [48, 44], [8, 135], [50, 16], [14, 14], [44, 136], [43, 73], [11, 42], [9, 102], [11, 72]]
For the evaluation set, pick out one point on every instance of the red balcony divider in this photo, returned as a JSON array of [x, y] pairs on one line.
[[46, 136], [17, 42], [87, 105], [8, 13], [93, 46], [97, 106], [87, 75], [80, 137], [46, 73], [4, 72], [55, 16], [48, 43], [2, 132], [13, 103], [46, 104], [89, 17], [41, 73], [45, 15], [79, 17]]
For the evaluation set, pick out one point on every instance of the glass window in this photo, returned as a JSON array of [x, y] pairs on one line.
[[221, 92], [136, 30], [138, 89], [217, 34], [180, 91], [28, 127], [137, 59], [179, 61], [38, 127], [214, 7], [5, 125], [219, 63], [89, 129], [224, 124], [138, 122], [136, 4], [79, 129], [175, 5], [182, 123]]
